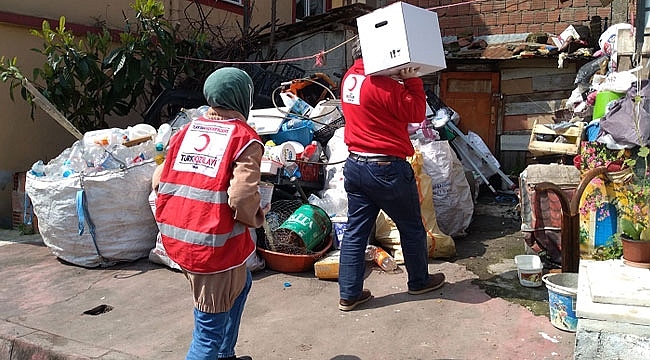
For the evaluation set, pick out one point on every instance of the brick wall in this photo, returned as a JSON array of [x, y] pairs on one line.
[[492, 17]]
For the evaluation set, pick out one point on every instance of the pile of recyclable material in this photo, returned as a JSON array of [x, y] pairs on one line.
[[92, 199], [108, 149]]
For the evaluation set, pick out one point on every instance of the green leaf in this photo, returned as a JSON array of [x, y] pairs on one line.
[[644, 151], [630, 229], [645, 234]]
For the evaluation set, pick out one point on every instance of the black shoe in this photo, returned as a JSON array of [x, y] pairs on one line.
[[238, 358], [347, 305], [436, 281]]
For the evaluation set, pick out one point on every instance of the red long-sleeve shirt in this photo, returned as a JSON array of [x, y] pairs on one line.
[[377, 110]]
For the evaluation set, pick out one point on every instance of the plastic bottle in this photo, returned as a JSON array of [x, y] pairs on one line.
[[163, 135], [161, 141], [76, 159], [384, 260], [38, 169], [67, 169], [371, 250], [160, 154]]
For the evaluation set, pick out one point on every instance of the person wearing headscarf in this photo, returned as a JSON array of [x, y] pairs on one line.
[[207, 200]]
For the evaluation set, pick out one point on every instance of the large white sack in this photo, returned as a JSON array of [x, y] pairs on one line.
[[117, 202], [452, 196]]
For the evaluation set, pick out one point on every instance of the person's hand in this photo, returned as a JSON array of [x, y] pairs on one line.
[[408, 72], [266, 209]]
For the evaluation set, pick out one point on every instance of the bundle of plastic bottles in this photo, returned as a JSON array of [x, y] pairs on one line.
[[108, 149]]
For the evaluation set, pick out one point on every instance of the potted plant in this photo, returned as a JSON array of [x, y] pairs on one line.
[[634, 216]]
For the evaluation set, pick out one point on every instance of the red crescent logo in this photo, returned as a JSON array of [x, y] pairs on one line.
[[354, 80], [207, 142]]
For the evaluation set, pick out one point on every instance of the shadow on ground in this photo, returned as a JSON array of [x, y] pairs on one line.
[[493, 240]]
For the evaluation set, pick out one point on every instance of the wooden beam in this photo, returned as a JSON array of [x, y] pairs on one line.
[[534, 107], [51, 110]]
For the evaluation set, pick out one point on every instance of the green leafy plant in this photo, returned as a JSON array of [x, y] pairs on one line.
[[25, 229], [108, 74], [614, 250], [633, 207], [92, 78]]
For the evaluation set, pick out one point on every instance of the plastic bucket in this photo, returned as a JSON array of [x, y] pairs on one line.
[[302, 134], [284, 153], [603, 100], [529, 270], [562, 290], [310, 223]]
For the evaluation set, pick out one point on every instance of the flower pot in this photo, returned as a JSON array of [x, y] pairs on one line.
[[636, 252]]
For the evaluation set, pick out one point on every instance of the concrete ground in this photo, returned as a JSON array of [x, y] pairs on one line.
[[53, 310]]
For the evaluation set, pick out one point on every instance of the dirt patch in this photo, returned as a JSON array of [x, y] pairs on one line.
[[493, 240]]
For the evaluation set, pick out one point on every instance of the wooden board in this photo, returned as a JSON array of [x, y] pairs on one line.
[[523, 72], [517, 86], [514, 142], [554, 82], [534, 107]]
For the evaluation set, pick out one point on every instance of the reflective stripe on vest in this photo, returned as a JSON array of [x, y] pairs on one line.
[[214, 197], [199, 238]]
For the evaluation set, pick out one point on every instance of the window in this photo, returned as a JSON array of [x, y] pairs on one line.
[[306, 8], [236, 2]]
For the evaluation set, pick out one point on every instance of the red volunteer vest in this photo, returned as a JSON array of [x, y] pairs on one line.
[[196, 223]]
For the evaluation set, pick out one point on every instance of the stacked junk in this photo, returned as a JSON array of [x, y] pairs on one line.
[[94, 201]]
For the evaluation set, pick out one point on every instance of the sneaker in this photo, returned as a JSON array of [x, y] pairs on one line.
[[436, 281], [347, 305], [238, 358]]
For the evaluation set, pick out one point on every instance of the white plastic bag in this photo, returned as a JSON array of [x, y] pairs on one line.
[[484, 168], [117, 203], [452, 196]]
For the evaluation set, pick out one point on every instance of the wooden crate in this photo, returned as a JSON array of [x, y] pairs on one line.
[[550, 146]]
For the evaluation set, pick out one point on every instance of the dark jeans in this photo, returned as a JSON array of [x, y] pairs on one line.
[[388, 186]]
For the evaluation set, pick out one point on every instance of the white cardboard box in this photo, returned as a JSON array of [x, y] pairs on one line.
[[401, 35]]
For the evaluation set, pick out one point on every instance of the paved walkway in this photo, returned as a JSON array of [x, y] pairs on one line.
[[144, 311]]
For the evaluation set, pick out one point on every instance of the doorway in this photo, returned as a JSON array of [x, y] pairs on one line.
[[474, 96]]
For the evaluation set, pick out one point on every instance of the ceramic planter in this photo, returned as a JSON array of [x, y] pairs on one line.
[[636, 252]]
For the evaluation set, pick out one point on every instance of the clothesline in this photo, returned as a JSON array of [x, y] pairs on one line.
[[318, 56]]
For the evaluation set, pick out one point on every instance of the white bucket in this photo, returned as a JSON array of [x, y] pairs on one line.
[[562, 294], [284, 153], [529, 270]]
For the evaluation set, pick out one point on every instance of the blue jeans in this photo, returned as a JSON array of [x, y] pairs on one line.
[[215, 335], [390, 187]]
